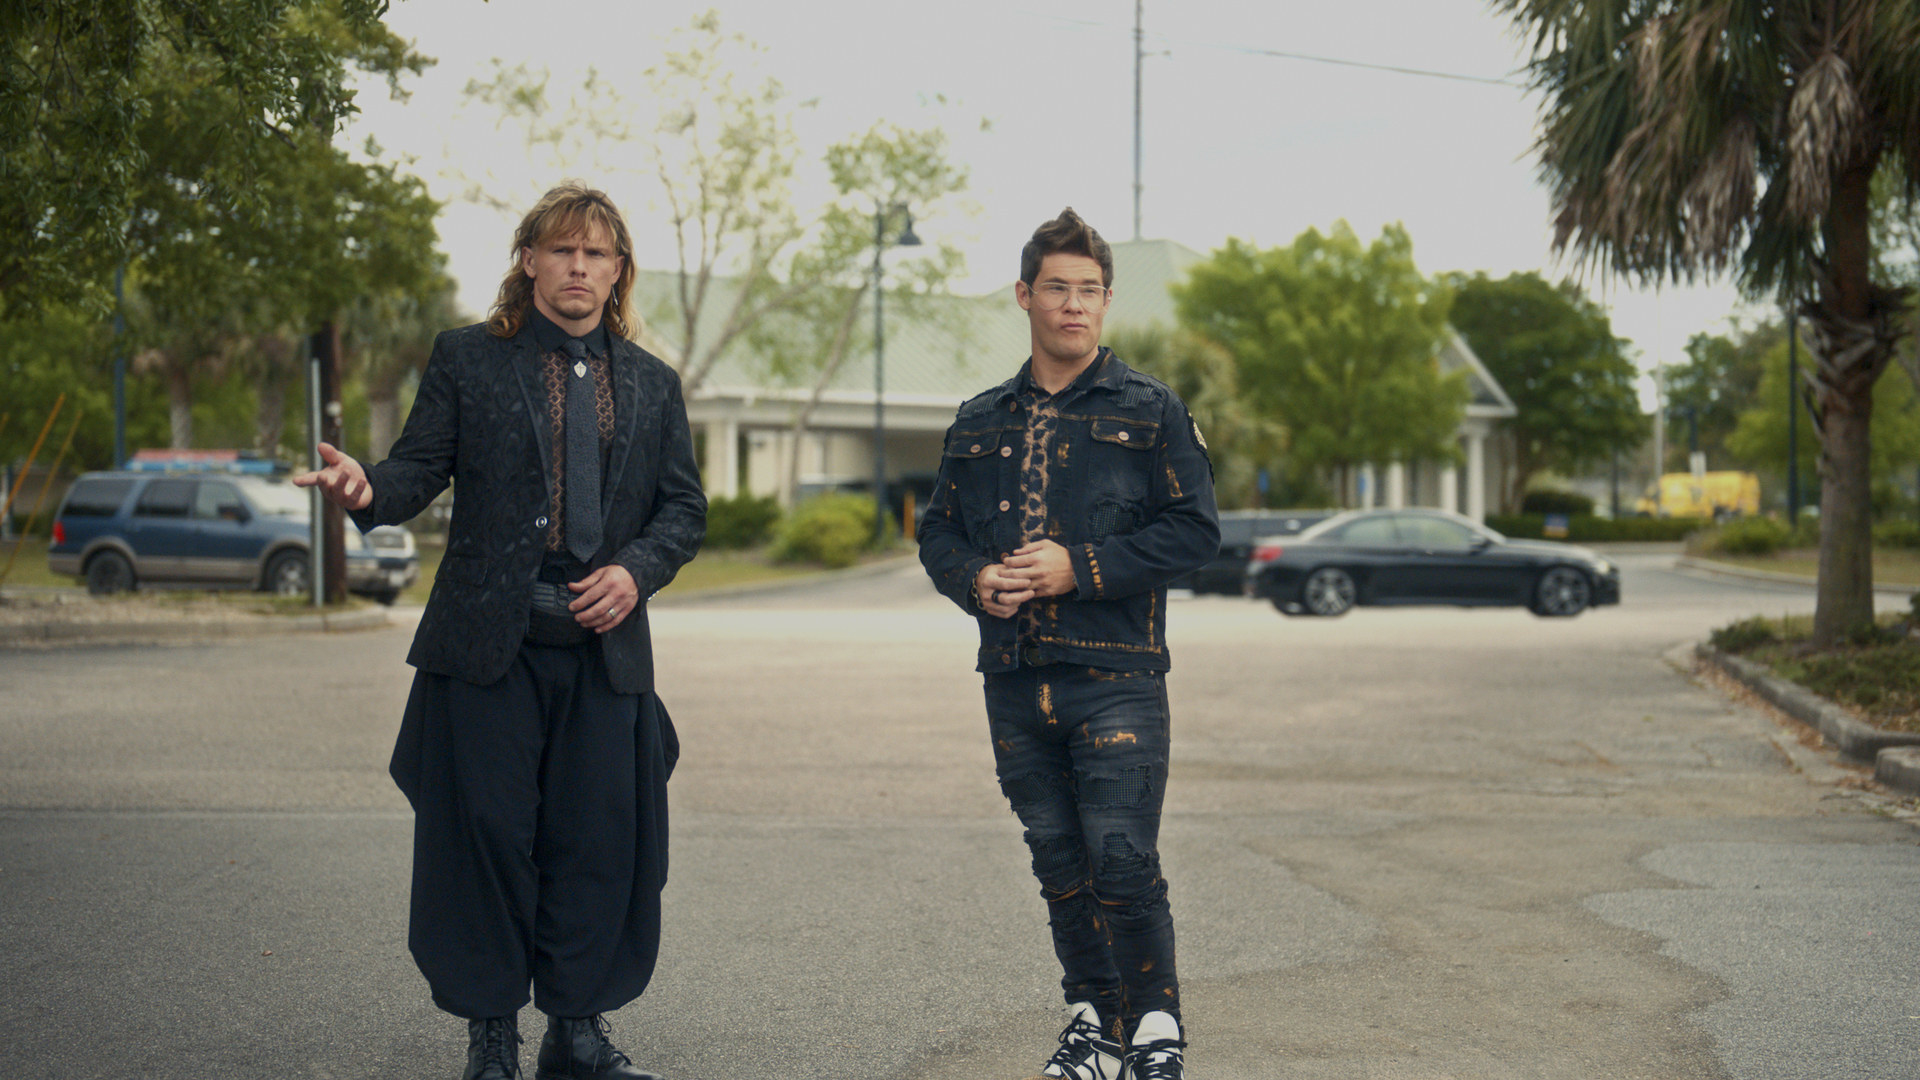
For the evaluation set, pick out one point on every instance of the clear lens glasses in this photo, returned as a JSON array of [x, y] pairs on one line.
[[1052, 295]]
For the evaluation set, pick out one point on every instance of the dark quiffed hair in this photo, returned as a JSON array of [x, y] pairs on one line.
[[1070, 235], [572, 209]]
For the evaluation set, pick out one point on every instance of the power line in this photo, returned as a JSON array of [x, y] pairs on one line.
[[1280, 55]]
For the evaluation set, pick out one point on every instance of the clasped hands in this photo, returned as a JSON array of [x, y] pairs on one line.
[[1039, 569]]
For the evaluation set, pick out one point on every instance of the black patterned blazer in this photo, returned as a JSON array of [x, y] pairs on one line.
[[479, 422]]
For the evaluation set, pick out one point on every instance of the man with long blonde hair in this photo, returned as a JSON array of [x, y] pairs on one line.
[[533, 747]]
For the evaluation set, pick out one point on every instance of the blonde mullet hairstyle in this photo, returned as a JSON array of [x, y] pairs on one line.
[[569, 210]]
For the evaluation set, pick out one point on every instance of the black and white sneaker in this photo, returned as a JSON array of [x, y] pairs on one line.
[[1154, 1053], [1085, 1052]]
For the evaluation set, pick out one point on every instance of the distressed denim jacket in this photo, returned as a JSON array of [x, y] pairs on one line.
[[1130, 497]]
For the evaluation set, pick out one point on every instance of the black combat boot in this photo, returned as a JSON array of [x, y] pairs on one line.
[[577, 1048], [493, 1049]]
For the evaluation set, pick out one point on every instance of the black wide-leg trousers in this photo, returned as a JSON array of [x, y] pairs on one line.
[[540, 835]]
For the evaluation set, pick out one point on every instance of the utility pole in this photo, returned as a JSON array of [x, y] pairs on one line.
[[1139, 55]]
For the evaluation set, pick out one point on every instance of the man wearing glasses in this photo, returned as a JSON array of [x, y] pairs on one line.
[[1068, 497]]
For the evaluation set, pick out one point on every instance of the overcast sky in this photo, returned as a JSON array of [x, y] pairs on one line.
[[1237, 142]]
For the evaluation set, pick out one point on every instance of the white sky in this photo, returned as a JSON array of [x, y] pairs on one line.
[[1235, 144]]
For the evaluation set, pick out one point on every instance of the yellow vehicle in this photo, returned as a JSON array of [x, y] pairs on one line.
[[1714, 495]]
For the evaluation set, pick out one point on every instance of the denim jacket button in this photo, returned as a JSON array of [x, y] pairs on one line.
[[974, 449], [1006, 451], [1123, 436], [1005, 506], [541, 524]]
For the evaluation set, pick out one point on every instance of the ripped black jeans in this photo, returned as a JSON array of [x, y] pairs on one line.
[[1081, 754]]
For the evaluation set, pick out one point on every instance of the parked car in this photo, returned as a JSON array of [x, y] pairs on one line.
[[123, 530], [1227, 573], [1424, 557]]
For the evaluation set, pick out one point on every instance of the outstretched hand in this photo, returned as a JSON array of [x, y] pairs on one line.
[[342, 481]]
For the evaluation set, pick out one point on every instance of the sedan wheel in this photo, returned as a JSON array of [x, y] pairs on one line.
[[109, 573], [1329, 591], [287, 574], [1563, 591]]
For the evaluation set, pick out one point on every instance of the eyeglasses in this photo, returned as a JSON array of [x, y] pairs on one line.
[[1052, 295]]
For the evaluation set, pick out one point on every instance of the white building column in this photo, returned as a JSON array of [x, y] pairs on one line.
[[1397, 486], [723, 458], [1477, 476], [1450, 488]]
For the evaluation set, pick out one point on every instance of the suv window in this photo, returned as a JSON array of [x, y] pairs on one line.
[[165, 499], [218, 502], [96, 498]]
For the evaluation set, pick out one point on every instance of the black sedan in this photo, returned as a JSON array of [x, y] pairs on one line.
[[1226, 574], [1424, 557]]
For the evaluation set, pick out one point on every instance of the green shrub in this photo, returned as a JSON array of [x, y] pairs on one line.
[[1586, 529], [1897, 534], [831, 529], [1748, 536], [741, 521], [1555, 502], [1744, 636]]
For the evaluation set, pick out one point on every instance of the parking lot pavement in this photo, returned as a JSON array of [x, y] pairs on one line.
[[1421, 843]]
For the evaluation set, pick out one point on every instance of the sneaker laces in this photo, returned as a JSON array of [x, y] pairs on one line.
[[1078, 1042], [1143, 1065]]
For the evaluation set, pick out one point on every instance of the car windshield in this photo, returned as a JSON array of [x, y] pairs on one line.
[[280, 499]]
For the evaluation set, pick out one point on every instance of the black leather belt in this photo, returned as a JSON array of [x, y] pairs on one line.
[[550, 621]]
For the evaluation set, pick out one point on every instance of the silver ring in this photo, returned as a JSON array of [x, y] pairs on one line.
[[612, 612]]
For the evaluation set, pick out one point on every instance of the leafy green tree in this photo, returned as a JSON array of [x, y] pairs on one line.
[[723, 158], [1759, 439], [889, 172], [83, 82], [1553, 351], [1707, 395], [1685, 138], [1335, 341], [1241, 440]]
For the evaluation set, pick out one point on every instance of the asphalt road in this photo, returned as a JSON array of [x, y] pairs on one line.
[[1415, 843]]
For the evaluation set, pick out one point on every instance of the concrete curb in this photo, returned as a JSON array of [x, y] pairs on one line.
[[104, 633], [1853, 737], [1741, 573]]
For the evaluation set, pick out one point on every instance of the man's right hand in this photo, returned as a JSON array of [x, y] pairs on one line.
[[343, 481], [1000, 591]]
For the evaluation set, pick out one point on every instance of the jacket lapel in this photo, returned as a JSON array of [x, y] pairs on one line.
[[625, 370], [523, 358]]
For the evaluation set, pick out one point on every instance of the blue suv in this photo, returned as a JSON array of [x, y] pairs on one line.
[[122, 530]]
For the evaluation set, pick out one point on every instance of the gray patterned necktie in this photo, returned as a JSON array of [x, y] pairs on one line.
[[583, 455]]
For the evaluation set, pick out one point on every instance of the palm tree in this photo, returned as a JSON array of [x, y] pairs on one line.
[[1688, 138]]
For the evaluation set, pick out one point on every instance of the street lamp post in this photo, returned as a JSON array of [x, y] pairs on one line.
[[880, 245]]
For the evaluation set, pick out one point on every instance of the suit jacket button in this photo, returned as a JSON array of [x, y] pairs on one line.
[[541, 524]]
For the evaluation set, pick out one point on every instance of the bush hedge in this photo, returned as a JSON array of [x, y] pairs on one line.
[[741, 521], [831, 530], [1555, 502], [1747, 536], [1587, 529]]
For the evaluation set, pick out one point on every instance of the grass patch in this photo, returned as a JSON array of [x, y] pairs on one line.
[[30, 563], [713, 568], [1878, 673], [1891, 566]]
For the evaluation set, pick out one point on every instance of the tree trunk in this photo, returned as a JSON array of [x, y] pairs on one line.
[[1845, 596], [275, 354], [1852, 330], [837, 355]]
